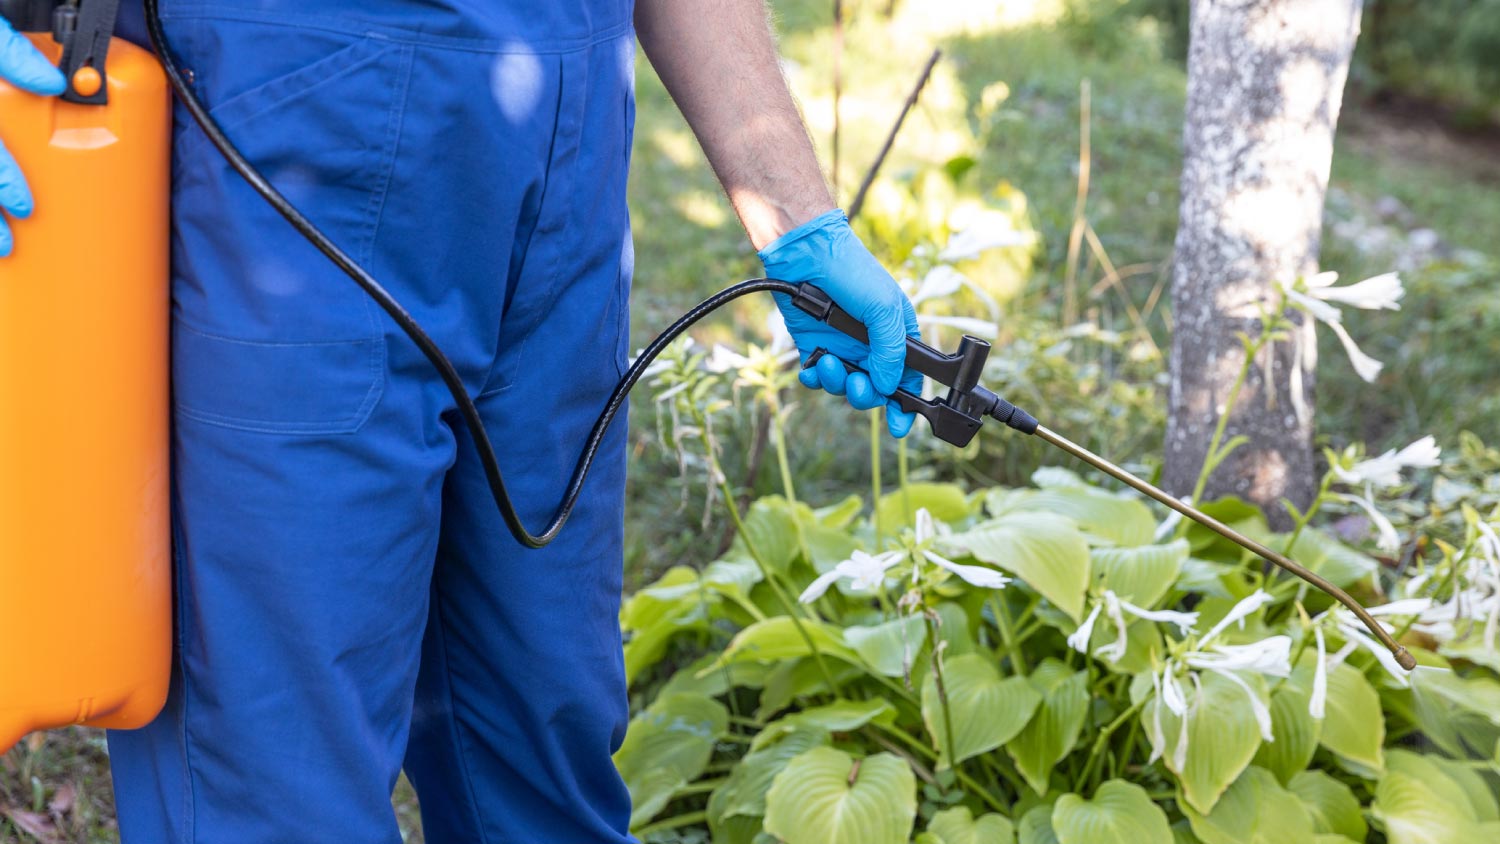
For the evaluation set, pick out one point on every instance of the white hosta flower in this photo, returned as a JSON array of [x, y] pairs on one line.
[[863, 571], [984, 231], [1355, 634], [1079, 640], [983, 329], [1317, 705], [981, 576], [1382, 292], [1385, 471], [940, 282], [1269, 657], [781, 339], [1389, 541], [724, 359], [1237, 615], [1489, 542], [1116, 608], [924, 526], [1169, 694]]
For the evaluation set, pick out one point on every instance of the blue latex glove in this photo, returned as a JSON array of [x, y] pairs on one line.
[[24, 67], [826, 252]]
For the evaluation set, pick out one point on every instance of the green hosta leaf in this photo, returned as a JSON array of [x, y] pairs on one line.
[[839, 515], [779, 638], [1143, 645], [1255, 810], [1117, 518], [674, 604], [693, 679], [959, 826], [821, 797], [1036, 826], [733, 577], [1233, 511], [946, 503], [665, 748], [1222, 737], [1320, 552], [889, 648], [1044, 549], [1296, 733], [791, 679], [828, 546], [842, 716], [987, 711], [1120, 813], [1053, 730], [1333, 838], [1207, 576], [1140, 575], [1333, 806], [677, 588], [773, 530], [1419, 803], [953, 628], [1459, 714], [1471, 643], [736, 808], [1353, 727], [1052, 477]]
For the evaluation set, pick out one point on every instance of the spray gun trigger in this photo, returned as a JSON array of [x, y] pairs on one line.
[[948, 423]]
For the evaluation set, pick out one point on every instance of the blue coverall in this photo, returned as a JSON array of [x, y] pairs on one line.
[[349, 601]]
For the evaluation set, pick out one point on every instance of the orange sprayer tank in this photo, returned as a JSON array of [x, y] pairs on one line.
[[85, 561]]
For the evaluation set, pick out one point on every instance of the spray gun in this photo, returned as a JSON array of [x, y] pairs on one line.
[[955, 417]]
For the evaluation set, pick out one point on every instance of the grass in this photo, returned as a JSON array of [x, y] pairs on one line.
[[689, 244]]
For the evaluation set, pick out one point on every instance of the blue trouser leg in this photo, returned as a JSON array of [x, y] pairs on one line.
[[348, 598]]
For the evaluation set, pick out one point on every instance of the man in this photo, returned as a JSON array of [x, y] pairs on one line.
[[348, 600]]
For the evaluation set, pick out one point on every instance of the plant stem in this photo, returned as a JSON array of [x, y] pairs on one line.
[[1312, 510], [875, 476], [1209, 463], [1135, 729], [1103, 739], [1012, 647], [672, 823], [765, 571], [901, 476], [942, 690], [973, 785], [700, 787], [778, 437]]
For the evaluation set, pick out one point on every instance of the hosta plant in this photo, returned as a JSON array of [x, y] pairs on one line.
[[1057, 664]]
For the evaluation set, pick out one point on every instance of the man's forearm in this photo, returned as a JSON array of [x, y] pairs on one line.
[[718, 60]]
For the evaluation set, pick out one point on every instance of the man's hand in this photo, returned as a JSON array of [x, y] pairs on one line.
[[24, 67], [718, 60], [825, 252]]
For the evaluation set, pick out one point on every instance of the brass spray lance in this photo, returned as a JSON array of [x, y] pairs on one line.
[[957, 417]]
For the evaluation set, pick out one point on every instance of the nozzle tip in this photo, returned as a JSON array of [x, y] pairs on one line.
[[1405, 659]]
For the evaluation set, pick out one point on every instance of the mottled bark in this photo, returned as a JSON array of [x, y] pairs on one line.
[[1265, 82]]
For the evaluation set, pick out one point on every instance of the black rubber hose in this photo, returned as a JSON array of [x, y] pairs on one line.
[[419, 336]]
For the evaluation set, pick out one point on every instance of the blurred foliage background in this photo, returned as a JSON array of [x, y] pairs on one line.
[[1415, 188]]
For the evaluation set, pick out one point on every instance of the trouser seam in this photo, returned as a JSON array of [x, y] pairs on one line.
[[190, 825], [457, 737]]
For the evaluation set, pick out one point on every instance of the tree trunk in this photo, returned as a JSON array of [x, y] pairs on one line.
[[1265, 82]]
